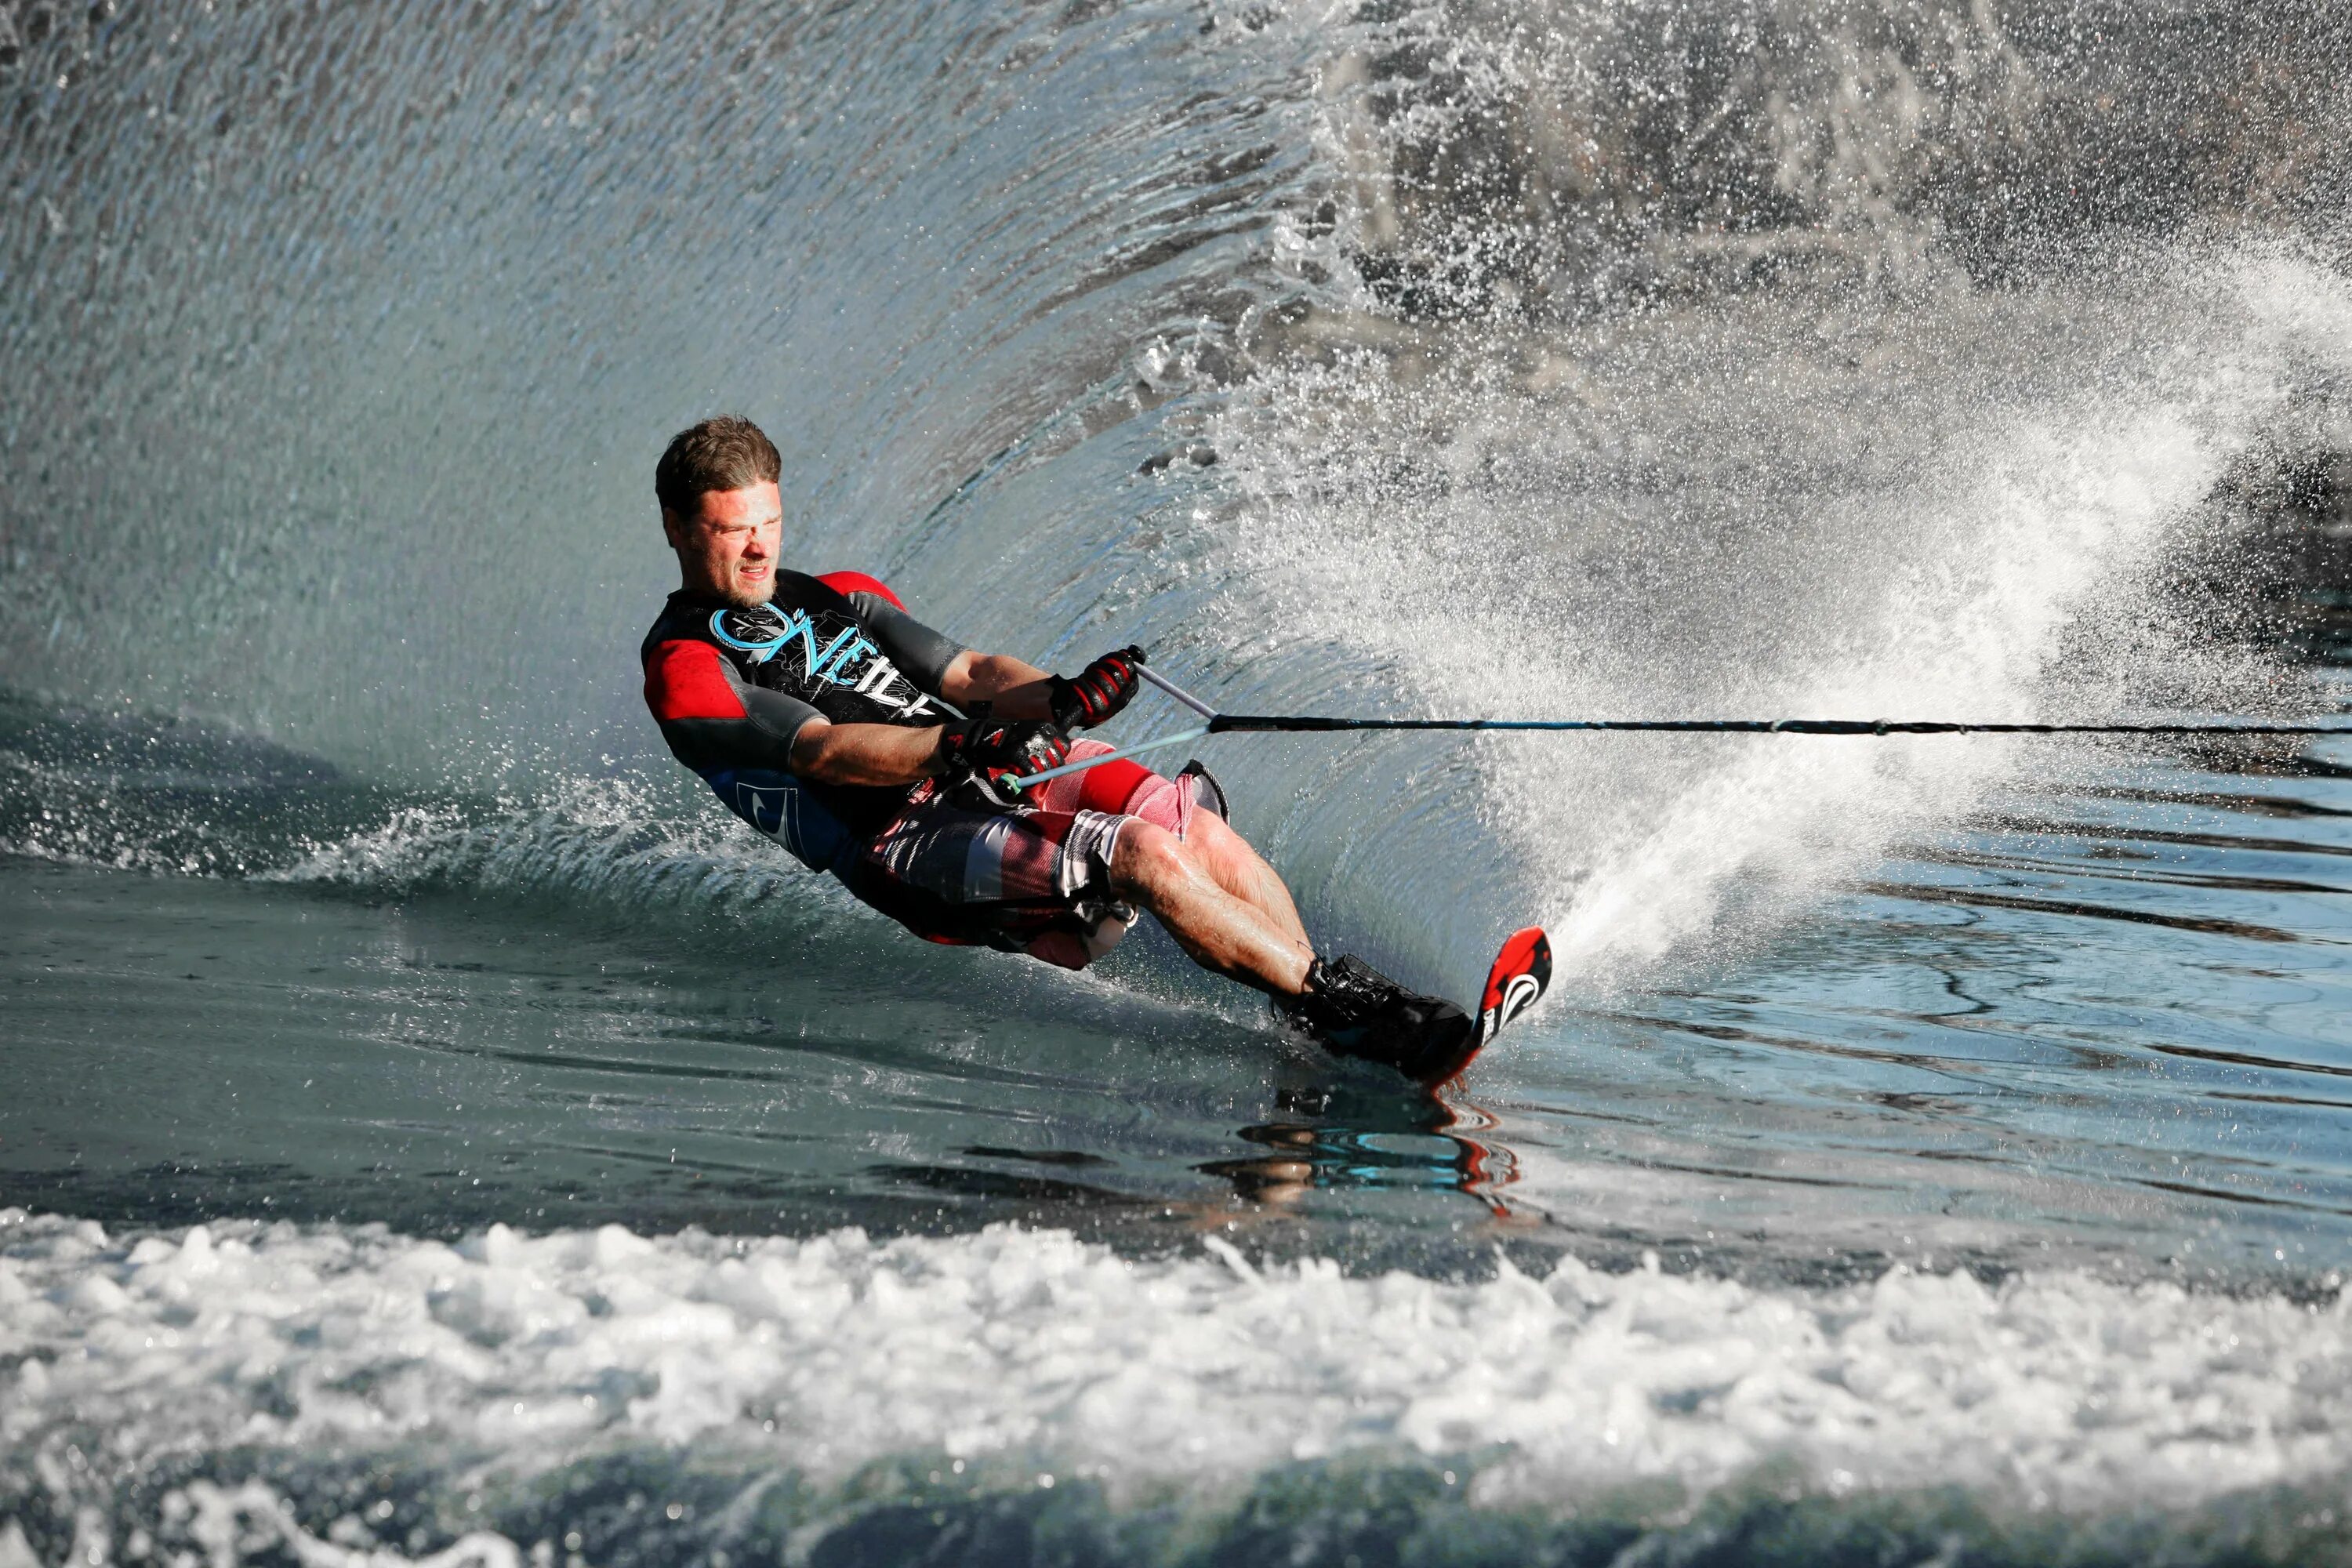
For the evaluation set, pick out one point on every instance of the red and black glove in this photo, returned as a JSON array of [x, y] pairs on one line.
[[982, 752], [1101, 689]]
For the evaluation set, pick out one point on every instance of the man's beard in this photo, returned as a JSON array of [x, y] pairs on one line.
[[745, 597]]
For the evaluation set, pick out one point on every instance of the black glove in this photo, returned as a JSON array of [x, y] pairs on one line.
[[982, 752], [1101, 689]]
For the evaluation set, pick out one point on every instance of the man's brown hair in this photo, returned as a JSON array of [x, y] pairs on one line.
[[722, 454]]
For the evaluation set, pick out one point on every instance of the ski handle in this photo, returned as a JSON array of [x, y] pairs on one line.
[[1178, 692], [1166, 685]]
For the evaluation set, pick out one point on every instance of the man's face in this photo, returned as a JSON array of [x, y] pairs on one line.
[[727, 546]]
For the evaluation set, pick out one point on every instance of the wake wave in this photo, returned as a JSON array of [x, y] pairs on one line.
[[1015, 1362], [610, 843]]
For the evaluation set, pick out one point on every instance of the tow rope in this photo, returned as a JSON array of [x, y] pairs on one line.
[[1236, 723]]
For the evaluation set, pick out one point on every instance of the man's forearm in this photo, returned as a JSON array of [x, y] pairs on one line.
[[866, 753], [1014, 688]]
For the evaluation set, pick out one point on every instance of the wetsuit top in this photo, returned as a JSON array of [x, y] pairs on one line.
[[732, 688]]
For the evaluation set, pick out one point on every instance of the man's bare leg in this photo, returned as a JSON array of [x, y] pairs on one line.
[[1354, 1010], [1217, 929], [1242, 871]]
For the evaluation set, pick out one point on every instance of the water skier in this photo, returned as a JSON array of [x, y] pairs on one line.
[[876, 748]]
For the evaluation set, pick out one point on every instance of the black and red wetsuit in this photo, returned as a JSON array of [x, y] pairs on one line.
[[732, 688]]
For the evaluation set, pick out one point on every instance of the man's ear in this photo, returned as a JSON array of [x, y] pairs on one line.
[[673, 530]]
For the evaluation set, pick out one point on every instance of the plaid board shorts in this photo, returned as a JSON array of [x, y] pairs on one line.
[[1034, 879]]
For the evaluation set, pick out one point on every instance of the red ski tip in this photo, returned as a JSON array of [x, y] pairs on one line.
[[1521, 971]]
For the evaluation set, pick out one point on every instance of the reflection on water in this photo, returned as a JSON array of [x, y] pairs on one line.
[[1326, 1141], [1440, 1143]]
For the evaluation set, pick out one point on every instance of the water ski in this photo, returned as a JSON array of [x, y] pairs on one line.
[[1514, 984], [1356, 1011]]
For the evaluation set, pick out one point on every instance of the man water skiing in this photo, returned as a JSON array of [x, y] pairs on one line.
[[876, 748]]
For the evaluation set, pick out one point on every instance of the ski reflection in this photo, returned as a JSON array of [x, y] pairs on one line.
[[1323, 1140]]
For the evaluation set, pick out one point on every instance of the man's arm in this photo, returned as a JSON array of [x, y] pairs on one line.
[[1014, 688], [1021, 691], [887, 754], [711, 717], [864, 753], [939, 664], [1017, 688]]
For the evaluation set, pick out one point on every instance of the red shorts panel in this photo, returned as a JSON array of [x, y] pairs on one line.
[[1038, 878]]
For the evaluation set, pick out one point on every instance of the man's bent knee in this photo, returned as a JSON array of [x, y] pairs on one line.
[[1212, 837], [1147, 860]]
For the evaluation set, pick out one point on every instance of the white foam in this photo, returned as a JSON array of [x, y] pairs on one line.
[[615, 842], [1015, 1345]]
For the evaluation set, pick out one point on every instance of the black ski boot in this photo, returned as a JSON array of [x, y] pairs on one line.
[[1354, 1010]]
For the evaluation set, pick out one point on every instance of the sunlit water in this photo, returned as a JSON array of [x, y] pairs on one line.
[[433, 1130]]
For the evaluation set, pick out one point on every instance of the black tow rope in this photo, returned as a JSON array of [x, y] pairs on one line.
[[1262, 723], [1223, 724]]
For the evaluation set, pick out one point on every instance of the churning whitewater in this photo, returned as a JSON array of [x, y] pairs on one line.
[[1040, 1362], [434, 1133]]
